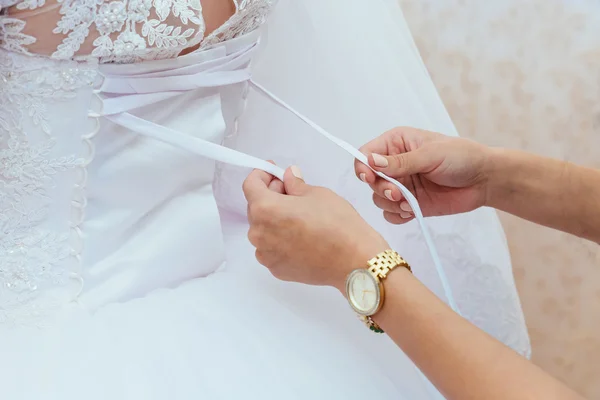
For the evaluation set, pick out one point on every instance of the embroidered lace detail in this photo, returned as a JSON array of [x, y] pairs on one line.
[[128, 31], [12, 37], [7, 3], [34, 260]]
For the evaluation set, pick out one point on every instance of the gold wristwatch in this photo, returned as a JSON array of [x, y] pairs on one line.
[[364, 286]]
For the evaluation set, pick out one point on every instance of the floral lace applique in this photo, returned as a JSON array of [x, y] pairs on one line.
[[12, 37], [132, 30], [32, 259]]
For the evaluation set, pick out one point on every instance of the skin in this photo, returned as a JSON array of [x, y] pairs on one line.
[[454, 175], [310, 235]]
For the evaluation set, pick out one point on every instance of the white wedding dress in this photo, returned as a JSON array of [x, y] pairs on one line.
[[125, 272]]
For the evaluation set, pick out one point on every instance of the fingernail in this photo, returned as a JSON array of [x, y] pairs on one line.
[[363, 177], [404, 206], [388, 194], [405, 215], [296, 172], [380, 161]]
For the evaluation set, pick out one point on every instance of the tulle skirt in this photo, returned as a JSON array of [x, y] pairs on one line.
[[237, 333]]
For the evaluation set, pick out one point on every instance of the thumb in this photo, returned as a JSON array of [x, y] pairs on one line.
[[257, 185], [293, 182], [404, 164]]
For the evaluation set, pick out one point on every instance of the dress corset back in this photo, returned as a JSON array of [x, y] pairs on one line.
[[84, 203], [140, 189]]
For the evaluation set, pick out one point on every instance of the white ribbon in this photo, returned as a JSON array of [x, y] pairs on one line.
[[407, 193], [130, 92]]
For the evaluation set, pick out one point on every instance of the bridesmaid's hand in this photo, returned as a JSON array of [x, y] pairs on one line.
[[304, 233], [447, 175]]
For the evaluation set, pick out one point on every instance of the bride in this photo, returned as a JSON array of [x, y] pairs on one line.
[[125, 272]]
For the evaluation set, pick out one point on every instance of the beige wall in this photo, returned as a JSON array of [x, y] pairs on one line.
[[526, 74]]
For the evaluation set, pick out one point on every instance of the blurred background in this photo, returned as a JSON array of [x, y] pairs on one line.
[[526, 74]]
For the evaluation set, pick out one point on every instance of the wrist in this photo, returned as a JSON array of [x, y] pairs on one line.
[[498, 176], [359, 255]]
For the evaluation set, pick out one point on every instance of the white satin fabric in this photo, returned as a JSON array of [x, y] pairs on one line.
[[142, 327], [162, 192]]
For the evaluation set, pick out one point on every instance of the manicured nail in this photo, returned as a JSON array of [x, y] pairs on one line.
[[388, 194], [405, 215], [363, 177], [296, 172], [380, 161], [404, 206]]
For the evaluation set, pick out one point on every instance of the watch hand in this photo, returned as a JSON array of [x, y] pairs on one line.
[[364, 293]]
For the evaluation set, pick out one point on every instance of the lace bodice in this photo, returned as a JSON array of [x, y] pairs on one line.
[[121, 31]]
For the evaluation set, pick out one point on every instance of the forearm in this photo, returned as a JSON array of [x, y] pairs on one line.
[[462, 361], [549, 192]]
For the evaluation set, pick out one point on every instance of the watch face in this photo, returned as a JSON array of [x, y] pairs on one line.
[[363, 292]]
